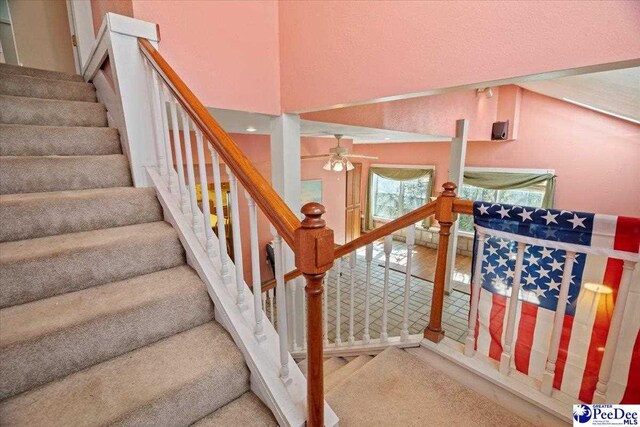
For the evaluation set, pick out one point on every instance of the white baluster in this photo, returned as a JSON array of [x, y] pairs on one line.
[[237, 244], [338, 308], [388, 245], [264, 301], [505, 357], [411, 240], [171, 179], [469, 347], [325, 311], [271, 309], [352, 268], [191, 179], [255, 267], [282, 309], [222, 233], [366, 337], [610, 347], [202, 170], [177, 147], [157, 119], [293, 313], [558, 319]]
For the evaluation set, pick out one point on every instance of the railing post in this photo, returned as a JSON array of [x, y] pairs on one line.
[[445, 216], [314, 249]]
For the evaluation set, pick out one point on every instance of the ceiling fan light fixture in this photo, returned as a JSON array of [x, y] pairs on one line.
[[338, 166], [349, 166], [327, 166]]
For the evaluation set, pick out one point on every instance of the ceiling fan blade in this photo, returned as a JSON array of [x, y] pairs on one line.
[[317, 156], [360, 156]]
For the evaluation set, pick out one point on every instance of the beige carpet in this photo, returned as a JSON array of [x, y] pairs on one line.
[[102, 321], [398, 389]]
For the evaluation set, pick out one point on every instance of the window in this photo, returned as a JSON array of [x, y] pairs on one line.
[[392, 198], [529, 196]]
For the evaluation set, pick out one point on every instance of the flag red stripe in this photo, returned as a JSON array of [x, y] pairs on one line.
[[524, 343], [632, 393], [496, 319], [561, 361]]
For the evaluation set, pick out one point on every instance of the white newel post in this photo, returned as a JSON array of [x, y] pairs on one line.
[[608, 357], [558, 319], [118, 41]]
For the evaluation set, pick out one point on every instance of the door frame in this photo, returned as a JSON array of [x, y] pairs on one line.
[[81, 26]]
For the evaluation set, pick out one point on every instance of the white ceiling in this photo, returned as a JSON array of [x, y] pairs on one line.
[[616, 91], [238, 121]]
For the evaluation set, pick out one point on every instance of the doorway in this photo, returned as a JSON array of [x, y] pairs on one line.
[[41, 34], [353, 205]]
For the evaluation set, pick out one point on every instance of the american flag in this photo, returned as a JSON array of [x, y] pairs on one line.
[[599, 241]]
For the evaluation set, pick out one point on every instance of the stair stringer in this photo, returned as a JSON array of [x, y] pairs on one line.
[[286, 401]]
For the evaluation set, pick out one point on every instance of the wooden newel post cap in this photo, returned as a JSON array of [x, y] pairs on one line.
[[313, 241], [313, 215], [449, 189]]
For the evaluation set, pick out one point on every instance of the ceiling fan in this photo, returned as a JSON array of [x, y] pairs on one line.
[[338, 157]]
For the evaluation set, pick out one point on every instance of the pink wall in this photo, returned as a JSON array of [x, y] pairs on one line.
[[435, 114], [341, 52], [226, 51], [100, 7], [595, 156]]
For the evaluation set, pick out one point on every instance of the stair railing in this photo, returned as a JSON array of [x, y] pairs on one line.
[[445, 209], [181, 122]]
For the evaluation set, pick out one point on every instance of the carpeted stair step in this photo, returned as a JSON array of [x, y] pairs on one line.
[[330, 365], [62, 212], [50, 112], [36, 87], [48, 339], [336, 377], [31, 140], [397, 388], [40, 268], [175, 381], [247, 410], [26, 174], [36, 72]]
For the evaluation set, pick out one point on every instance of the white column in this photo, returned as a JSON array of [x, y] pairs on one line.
[[285, 179], [614, 333], [558, 319], [456, 172], [505, 357]]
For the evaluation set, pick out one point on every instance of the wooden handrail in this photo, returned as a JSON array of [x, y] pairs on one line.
[[399, 223], [462, 206], [272, 205]]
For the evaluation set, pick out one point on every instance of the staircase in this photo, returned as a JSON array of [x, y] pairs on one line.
[[397, 388], [103, 322]]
